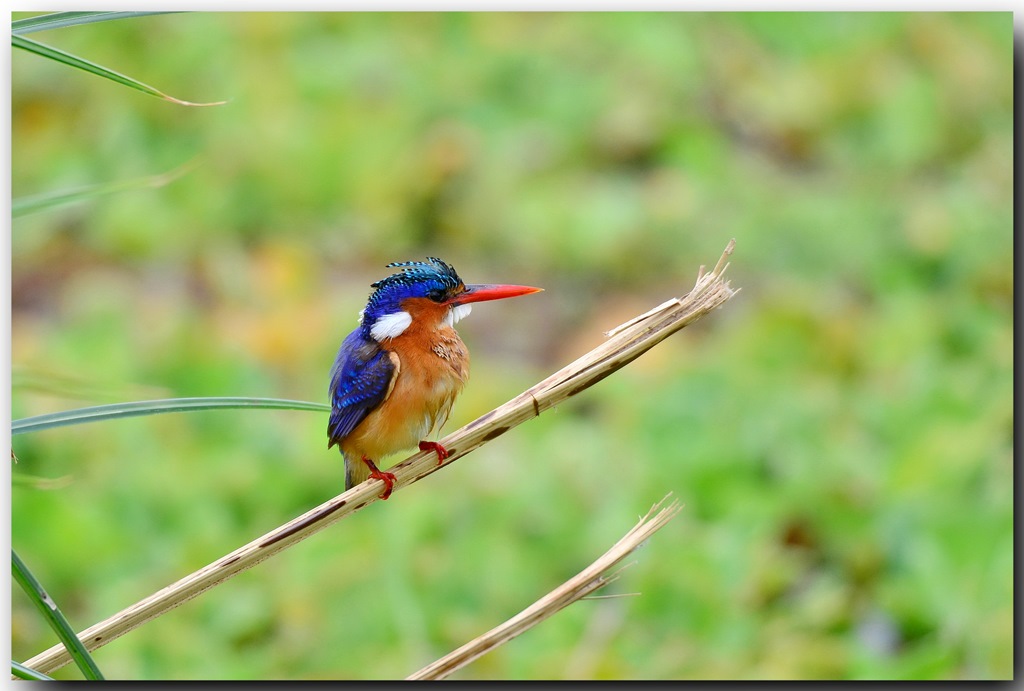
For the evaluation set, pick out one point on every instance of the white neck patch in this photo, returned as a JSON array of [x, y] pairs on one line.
[[394, 324], [390, 326], [457, 313]]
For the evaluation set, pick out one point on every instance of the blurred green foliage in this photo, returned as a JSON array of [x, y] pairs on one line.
[[840, 433]]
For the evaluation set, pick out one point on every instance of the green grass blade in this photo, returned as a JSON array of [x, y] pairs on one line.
[[74, 61], [57, 20], [23, 672], [39, 483], [24, 206], [48, 608], [167, 405]]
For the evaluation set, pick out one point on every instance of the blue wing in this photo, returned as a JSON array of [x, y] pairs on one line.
[[360, 380]]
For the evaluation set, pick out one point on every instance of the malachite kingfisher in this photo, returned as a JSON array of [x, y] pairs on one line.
[[397, 375]]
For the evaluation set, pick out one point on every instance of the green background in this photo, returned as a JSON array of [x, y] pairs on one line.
[[840, 432]]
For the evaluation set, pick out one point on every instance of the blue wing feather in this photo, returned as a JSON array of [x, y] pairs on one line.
[[360, 378]]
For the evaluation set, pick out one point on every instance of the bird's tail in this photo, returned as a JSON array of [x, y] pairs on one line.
[[355, 471]]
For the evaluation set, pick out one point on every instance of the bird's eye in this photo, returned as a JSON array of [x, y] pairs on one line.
[[437, 295]]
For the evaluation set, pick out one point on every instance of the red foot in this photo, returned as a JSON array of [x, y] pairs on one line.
[[442, 453], [377, 474]]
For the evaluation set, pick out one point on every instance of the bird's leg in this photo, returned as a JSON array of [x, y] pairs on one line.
[[377, 474], [442, 453]]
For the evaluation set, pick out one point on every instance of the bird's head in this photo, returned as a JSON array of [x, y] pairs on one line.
[[429, 292]]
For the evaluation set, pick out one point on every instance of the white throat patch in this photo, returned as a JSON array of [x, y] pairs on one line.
[[394, 324], [390, 325], [457, 314]]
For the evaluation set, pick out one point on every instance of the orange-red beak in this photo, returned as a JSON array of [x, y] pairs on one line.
[[481, 292]]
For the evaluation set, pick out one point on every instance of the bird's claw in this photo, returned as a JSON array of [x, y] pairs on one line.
[[377, 474], [389, 482], [442, 453]]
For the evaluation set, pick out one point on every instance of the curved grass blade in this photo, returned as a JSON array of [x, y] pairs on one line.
[[39, 483], [23, 672], [58, 20], [167, 405], [24, 206], [82, 64], [48, 608]]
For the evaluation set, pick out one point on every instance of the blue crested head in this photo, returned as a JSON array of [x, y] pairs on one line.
[[435, 280]]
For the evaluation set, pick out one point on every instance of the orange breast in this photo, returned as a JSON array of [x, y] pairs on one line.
[[432, 367]]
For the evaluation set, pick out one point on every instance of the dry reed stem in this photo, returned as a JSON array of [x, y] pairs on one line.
[[580, 585], [624, 344]]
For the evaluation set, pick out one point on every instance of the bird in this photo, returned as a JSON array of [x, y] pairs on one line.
[[398, 373]]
